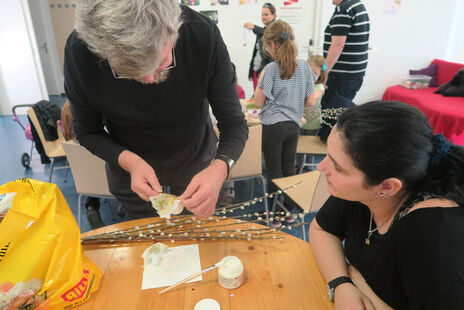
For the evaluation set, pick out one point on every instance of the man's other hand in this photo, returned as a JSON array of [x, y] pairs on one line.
[[202, 193]]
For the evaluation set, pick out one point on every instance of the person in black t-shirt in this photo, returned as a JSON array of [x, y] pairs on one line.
[[139, 76], [398, 204]]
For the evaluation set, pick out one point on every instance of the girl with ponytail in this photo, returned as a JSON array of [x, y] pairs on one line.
[[284, 88], [398, 204]]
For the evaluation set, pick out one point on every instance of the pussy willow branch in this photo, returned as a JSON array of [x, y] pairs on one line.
[[181, 227]]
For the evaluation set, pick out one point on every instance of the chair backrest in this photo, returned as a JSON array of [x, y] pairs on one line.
[[88, 170], [311, 145], [250, 163], [52, 148], [310, 194]]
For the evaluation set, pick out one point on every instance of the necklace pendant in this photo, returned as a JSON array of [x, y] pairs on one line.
[[368, 241]]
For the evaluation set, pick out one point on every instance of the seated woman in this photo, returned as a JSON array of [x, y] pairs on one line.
[[397, 202]]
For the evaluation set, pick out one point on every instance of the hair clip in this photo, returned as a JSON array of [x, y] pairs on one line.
[[285, 35]]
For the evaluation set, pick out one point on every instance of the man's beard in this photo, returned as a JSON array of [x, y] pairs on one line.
[[158, 78]]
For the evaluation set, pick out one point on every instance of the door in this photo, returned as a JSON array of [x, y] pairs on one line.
[[46, 45]]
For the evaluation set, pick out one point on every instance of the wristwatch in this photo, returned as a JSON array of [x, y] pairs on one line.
[[334, 283], [229, 162]]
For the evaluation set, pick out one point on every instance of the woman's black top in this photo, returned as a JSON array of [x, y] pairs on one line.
[[265, 58], [417, 264]]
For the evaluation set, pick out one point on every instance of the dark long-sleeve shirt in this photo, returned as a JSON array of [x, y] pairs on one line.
[[156, 120]]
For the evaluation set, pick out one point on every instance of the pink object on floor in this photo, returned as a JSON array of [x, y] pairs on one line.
[[28, 132]]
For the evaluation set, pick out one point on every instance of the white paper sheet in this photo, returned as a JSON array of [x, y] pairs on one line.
[[177, 263]]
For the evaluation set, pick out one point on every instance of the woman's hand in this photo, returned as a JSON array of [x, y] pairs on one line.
[[349, 297], [249, 26], [366, 290]]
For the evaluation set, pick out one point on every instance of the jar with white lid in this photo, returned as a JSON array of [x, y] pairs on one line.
[[231, 272]]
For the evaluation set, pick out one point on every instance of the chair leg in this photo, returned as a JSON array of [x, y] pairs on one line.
[[302, 164], [274, 203], [66, 172], [266, 206], [79, 212], [52, 164], [32, 147], [303, 229], [252, 188]]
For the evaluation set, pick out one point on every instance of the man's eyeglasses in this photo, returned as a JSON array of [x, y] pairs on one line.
[[172, 65]]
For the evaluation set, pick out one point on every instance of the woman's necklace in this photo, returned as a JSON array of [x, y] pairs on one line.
[[371, 231]]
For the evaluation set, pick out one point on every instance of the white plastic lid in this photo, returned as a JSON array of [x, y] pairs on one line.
[[231, 265], [207, 304]]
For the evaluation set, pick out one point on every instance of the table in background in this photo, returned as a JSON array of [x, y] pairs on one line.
[[280, 274]]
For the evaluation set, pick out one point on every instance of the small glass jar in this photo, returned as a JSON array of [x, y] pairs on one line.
[[231, 272]]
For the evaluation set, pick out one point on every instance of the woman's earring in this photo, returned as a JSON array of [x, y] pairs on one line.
[[381, 195]]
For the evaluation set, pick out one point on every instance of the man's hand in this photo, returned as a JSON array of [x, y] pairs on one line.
[[347, 296], [202, 193], [144, 181], [249, 26]]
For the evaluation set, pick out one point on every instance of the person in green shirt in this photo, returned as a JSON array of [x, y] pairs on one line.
[[312, 114]]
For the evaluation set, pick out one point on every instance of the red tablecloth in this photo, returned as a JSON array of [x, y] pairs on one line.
[[445, 114]]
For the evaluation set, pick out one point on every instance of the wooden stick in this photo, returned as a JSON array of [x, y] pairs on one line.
[[190, 278]]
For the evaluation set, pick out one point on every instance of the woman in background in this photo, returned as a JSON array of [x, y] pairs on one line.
[[283, 89], [259, 58], [397, 203]]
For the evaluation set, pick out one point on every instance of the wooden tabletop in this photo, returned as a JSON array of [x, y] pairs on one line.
[[279, 274]]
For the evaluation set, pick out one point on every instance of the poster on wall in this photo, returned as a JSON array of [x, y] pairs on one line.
[[290, 2], [391, 7], [291, 14], [213, 14], [190, 2], [248, 2], [221, 2]]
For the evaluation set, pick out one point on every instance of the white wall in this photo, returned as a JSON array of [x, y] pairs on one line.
[[420, 32], [240, 41], [411, 39], [19, 80]]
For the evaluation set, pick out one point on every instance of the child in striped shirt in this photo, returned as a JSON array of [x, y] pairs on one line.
[[283, 89]]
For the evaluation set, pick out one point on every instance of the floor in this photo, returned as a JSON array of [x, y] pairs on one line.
[[14, 143]]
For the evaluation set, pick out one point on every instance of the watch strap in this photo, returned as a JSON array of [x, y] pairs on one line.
[[229, 163], [336, 282]]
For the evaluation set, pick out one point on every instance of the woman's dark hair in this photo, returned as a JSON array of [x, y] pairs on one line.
[[270, 6], [388, 139]]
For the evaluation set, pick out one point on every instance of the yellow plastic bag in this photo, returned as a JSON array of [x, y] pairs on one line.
[[42, 264]]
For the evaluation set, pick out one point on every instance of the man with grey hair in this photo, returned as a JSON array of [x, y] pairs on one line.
[[139, 75]]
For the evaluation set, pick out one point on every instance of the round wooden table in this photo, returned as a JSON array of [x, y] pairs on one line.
[[280, 274]]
